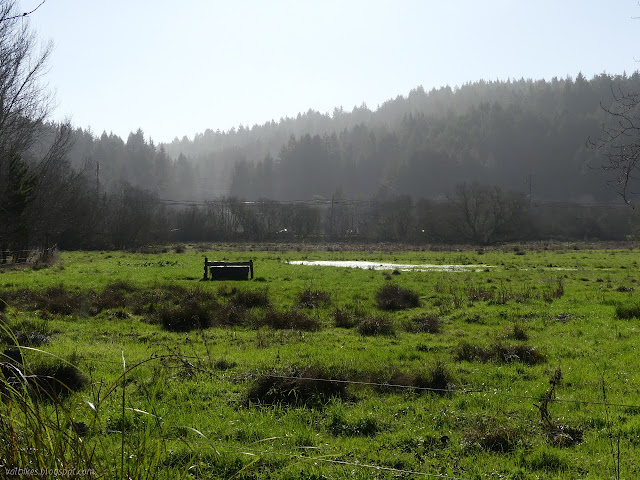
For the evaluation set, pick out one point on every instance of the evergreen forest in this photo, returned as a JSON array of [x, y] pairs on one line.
[[486, 162]]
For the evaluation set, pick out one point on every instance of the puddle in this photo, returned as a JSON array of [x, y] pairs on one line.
[[390, 266]]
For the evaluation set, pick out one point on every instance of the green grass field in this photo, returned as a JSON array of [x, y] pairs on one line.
[[524, 367]]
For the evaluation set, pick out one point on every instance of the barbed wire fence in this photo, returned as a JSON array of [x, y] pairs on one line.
[[13, 258], [199, 364]]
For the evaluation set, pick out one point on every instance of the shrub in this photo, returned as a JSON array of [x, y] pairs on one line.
[[394, 297], [370, 326]]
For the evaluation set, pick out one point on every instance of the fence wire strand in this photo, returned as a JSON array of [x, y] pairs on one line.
[[244, 376]]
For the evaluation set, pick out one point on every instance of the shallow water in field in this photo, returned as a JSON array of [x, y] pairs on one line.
[[390, 266]]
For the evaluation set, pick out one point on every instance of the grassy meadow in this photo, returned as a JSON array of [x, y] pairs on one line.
[[521, 366]]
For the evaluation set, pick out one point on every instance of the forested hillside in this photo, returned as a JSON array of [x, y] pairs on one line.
[[483, 163], [518, 135]]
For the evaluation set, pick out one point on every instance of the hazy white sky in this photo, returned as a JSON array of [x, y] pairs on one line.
[[176, 68]]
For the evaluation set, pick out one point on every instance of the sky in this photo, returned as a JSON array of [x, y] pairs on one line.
[[176, 68]]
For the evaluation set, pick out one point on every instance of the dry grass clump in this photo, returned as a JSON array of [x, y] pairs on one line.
[[393, 297], [195, 311], [190, 315], [564, 435], [517, 332], [347, 317], [296, 387], [435, 379], [10, 364], [424, 324], [493, 435], [55, 300], [344, 318], [313, 298], [376, 325], [283, 320], [553, 292], [58, 300], [56, 379], [499, 353], [32, 333], [251, 298], [27, 332], [113, 295], [478, 293], [627, 311], [231, 314]]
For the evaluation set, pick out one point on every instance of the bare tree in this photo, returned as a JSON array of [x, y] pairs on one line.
[[25, 103], [24, 99], [485, 215], [620, 144]]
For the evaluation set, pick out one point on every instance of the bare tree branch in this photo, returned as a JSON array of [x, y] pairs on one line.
[[22, 15], [619, 143]]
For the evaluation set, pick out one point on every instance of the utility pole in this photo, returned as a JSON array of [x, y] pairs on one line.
[[331, 217]]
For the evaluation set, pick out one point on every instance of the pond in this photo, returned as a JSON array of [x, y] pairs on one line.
[[390, 266]]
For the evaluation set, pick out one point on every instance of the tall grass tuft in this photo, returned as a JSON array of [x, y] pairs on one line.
[[251, 298], [347, 317], [393, 297], [499, 353], [313, 298], [43, 436], [306, 386], [283, 320], [424, 324], [194, 311], [627, 311], [375, 325]]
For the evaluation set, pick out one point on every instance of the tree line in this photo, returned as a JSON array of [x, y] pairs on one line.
[[486, 162]]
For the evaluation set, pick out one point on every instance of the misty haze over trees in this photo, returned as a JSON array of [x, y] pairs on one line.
[[422, 145], [483, 163]]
